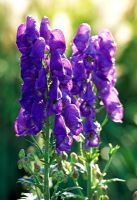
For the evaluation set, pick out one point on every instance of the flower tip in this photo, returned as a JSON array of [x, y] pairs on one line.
[[45, 19]]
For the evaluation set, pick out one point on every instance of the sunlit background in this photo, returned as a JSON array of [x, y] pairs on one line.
[[120, 16]]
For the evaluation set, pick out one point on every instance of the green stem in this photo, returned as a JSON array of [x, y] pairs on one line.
[[108, 164], [37, 182], [89, 184], [46, 174]]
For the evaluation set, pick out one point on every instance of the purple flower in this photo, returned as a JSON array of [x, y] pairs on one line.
[[87, 105], [57, 41], [56, 66], [113, 106], [26, 34], [79, 77], [41, 84], [72, 118], [91, 131], [25, 124], [38, 48], [45, 30], [82, 37], [61, 131], [31, 32]]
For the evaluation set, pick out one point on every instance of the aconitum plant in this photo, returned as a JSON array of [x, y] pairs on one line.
[[60, 99]]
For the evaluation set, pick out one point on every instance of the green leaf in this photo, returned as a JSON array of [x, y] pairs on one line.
[[26, 180], [73, 188], [71, 195], [113, 180]]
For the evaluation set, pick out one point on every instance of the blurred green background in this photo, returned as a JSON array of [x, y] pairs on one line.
[[120, 16]]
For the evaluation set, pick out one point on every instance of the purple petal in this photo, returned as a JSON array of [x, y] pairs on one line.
[[38, 112], [41, 82], [38, 49], [56, 65]]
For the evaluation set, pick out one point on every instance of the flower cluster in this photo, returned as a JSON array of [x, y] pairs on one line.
[[65, 88]]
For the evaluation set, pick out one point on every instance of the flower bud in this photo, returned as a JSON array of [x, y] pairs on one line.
[[30, 157], [30, 149], [75, 173], [25, 163], [64, 155], [95, 196], [104, 188], [59, 165], [135, 194], [21, 153], [36, 167], [26, 186], [20, 164], [74, 157], [105, 197]]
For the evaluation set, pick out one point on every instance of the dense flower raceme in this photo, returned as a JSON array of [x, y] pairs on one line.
[[55, 85]]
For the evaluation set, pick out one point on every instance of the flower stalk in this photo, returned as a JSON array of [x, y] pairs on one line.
[[89, 180], [46, 159]]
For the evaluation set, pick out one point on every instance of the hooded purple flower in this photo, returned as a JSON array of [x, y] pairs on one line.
[[72, 118], [57, 41], [26, 34], [82, 37], [63, 139], [87, 105], [45, 30], [91, 131], [25, 124]]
